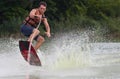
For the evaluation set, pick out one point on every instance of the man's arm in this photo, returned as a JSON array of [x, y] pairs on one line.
[[33, 15], [47, 27]]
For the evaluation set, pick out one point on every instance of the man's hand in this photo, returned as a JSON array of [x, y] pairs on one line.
[[38, 17], [48, 34]]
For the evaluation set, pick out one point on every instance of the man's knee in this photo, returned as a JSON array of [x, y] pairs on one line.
[[36, 31], [41, 39]]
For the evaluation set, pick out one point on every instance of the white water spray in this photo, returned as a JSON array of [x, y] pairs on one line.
[[68, 50], [72, 53]]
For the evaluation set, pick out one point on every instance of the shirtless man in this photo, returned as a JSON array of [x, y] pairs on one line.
[[28, 28]]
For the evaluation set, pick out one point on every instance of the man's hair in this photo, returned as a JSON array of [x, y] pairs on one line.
[[43, 3]]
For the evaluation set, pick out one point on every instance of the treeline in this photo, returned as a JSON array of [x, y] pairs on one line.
[[61, 13]]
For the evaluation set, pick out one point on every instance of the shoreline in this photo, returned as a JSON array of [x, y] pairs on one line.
[[113, 37]]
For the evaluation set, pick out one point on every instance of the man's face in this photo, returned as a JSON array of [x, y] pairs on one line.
[[42, 9]]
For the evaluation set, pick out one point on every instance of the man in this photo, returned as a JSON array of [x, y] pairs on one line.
[[29, 25]]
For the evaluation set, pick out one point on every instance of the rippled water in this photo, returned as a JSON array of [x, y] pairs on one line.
[[66, 56]]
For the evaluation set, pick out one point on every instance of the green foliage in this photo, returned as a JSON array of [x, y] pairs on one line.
[[13, 8], [96, 8], [62, 8], [113, 24], [10, 27], [76, 22], [63, 15]]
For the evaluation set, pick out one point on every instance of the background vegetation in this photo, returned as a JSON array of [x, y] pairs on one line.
[[64, 15]]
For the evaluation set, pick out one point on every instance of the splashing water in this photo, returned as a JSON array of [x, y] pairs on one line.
[[69, 51], [67, 55]]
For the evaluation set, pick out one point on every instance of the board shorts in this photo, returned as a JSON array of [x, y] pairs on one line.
[[27, 31]]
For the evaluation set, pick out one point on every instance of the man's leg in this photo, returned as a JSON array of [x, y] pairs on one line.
[[34, 34], [40, 41]]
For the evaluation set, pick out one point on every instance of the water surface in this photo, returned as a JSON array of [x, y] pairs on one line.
[[67, 56]]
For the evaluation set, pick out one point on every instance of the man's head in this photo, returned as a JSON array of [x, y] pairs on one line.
[[42, 7]]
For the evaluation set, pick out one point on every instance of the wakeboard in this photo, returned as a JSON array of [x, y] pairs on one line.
[[24, 49]]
